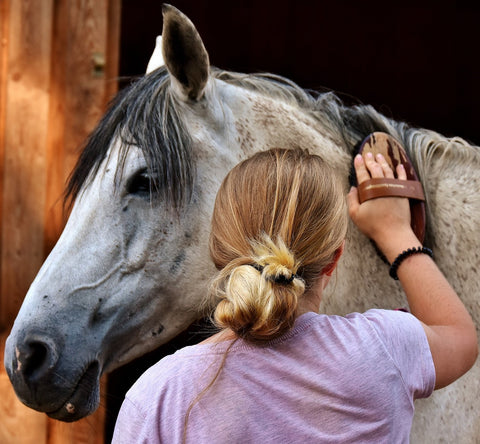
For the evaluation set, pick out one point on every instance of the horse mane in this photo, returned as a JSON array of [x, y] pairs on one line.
[[349, 125], [346, 125], [145, 114]]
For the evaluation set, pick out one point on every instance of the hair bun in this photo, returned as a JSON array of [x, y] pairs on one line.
[[278, 273], [276, 261]]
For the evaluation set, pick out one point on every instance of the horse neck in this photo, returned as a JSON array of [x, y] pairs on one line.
[[263, 122]]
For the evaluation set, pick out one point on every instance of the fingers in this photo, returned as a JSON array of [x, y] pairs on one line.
[[387, 171], [368, 166], [361, 169], [401, 173], [375, 168]]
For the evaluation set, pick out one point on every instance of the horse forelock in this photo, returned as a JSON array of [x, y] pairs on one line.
[[145, 115]]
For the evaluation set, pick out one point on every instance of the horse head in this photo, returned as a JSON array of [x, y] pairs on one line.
[[131, 266]]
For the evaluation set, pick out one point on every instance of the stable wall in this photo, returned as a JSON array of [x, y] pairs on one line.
[[58, 70]]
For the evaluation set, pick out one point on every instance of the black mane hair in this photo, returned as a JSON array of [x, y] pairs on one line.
[[144, 114]]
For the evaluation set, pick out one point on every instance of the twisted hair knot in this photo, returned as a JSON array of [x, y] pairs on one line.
[[274, 260]]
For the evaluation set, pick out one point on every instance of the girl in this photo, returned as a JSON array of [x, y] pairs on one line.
[[279, 372]]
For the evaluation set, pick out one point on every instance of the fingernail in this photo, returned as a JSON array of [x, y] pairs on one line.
[[369, 155], [379, 156]]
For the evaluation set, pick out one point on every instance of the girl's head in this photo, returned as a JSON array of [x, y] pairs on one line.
[[278, 223]]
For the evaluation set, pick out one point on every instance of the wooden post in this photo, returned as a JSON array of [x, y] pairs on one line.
[[58, 69], [25, 125]]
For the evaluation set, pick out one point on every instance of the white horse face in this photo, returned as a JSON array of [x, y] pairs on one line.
[[108, 292]]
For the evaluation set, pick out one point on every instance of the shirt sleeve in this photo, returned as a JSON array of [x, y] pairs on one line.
[[406, 342], [132, 426]]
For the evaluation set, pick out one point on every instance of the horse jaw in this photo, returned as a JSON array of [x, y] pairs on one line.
[[185, 55]]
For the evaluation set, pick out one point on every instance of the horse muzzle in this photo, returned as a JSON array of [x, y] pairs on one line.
[[43, 382]]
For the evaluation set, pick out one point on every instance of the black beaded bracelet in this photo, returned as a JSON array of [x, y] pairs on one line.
[[403, 255]]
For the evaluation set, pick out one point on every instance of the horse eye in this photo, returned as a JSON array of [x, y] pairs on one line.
[[141, 184]]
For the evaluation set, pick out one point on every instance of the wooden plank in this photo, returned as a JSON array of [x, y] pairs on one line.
[[85, 35], [113, 49], [4, 17], [56, 134], [85, 96], [24, 84], [26, 110]]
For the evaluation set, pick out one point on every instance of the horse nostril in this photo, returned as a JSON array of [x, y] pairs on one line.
[[35, 358]]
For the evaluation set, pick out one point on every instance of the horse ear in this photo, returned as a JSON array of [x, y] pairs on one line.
[[156, 60], [185, 56]]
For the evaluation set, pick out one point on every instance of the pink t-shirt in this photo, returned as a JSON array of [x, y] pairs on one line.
[[331, 379]]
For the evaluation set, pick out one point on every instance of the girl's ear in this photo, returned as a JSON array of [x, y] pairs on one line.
[[330, 268]]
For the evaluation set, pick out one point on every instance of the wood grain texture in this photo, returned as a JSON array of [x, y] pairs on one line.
[[80, 92], [4, 15], [26, 111], [51, 97]]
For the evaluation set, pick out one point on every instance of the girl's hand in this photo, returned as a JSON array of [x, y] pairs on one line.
[[385, 220]]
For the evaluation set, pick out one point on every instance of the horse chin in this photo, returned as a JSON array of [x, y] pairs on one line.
[[85, 397]]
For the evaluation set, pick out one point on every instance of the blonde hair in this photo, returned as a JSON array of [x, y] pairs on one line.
[[278, 221]]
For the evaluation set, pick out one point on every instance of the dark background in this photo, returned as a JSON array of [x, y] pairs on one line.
[[416, 61]]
